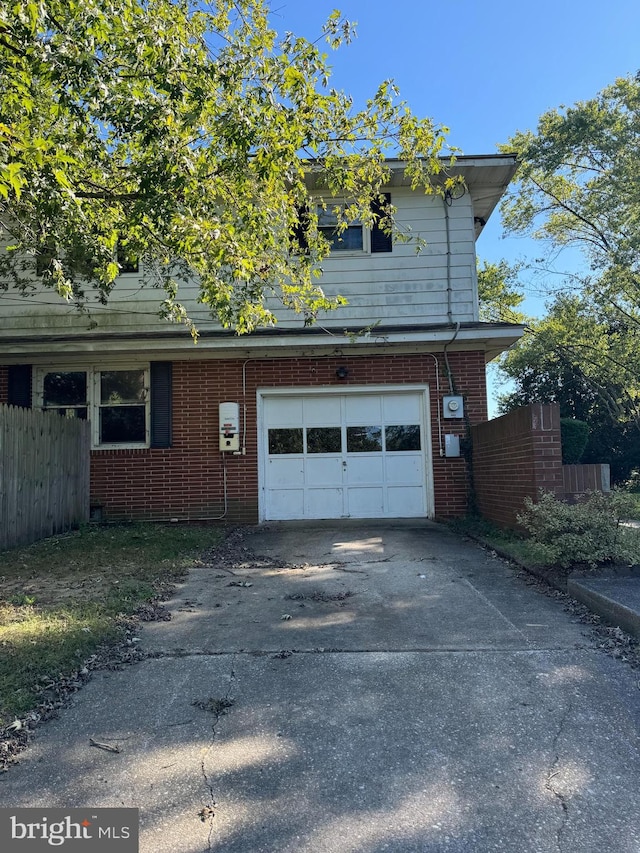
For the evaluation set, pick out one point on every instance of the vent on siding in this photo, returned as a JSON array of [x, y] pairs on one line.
[[380, 242], [20, 385], [160, 376]]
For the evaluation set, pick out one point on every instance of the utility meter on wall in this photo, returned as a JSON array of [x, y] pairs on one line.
[[452, 407], [229, 416]]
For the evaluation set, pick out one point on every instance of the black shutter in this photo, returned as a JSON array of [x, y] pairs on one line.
[[160, 389], [20, 385], [380, 242], [299, 239]]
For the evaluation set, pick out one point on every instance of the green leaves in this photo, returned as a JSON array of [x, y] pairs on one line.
[[192, 134], [579, 186], [11, 178], [500, 293], [579, 182]]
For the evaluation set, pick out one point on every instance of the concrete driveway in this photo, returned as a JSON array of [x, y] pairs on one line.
[[360, 687]]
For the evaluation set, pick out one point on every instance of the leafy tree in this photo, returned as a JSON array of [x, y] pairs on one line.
[[574, 435], [498, 292], [184, 134], [581, 357], [579, 185]]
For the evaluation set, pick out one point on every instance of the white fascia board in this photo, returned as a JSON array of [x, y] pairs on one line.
[[490, 339]]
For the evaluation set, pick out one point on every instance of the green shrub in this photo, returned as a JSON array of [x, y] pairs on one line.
[[574, 435], [588, 532]]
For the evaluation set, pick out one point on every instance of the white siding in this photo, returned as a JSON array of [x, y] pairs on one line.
[[402, 287], [395, 288]]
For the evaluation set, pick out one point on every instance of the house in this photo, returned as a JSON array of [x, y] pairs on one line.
[[294, 421]]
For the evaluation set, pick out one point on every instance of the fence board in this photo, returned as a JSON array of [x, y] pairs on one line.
[[44, 474], [580, 479]]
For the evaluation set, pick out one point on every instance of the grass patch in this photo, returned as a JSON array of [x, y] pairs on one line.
[[508, 542], [63, 598]]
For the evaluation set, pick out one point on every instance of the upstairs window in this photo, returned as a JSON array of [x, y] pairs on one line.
[[352, 239], [355, 238], [127, 261]]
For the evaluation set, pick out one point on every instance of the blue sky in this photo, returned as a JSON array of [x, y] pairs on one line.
[[485, 70]]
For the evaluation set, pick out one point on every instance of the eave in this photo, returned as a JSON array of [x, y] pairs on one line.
[[486, 178], [491, 338]]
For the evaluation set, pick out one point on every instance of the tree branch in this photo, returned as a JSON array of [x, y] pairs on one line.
[[573, 212]]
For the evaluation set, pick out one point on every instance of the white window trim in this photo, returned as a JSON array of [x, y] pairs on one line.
[[331, 202], [93, 398]]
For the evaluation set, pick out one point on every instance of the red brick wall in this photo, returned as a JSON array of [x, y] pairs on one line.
[[186, 480], [513, 457]]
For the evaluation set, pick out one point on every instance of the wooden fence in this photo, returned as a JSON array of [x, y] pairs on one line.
[[44, 474], [578, 480]]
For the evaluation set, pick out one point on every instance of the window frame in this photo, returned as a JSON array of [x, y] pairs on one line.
[[53, 407], [375, 241], [128, 265], [325, 205], [93, 402]]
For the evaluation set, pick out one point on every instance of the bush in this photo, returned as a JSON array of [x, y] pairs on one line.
[[588, 532], [574, 436]]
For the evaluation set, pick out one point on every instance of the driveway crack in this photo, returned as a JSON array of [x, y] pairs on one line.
[[207, 813], [553, 772]]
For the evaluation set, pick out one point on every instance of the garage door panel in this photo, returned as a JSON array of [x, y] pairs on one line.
[[365, 502], [285, 411], [320, 411], [401, 409], [286, 503], [365, 469], [286, 471], [402, 468], [324, 503], [323, 471], [405, 501], [363, 409]]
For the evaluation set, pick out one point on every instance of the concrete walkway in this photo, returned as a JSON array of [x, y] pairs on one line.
[[616, 598], [388, 688]]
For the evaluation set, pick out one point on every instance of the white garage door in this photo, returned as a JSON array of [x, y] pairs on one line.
[[355, 455]]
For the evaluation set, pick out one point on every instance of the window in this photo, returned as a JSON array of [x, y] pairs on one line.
[[364, 439], [352, 239], [66, 393], [355, 238], [121, 399], [115, 401], [45, 253], [402, 438], [324, 440], [285, 441], [127, 261]]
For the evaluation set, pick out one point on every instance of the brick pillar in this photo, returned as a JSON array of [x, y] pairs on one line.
[[515, 456]]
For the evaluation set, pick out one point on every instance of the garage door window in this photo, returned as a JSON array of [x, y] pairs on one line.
[[285, 441], [402, 438], [324, 440], [364, 439]]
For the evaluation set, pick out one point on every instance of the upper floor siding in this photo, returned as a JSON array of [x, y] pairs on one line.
[[394, 288], [435, 285]]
